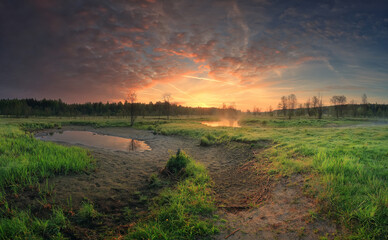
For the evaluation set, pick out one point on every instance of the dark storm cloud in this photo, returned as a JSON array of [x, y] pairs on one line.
[[90, 50]]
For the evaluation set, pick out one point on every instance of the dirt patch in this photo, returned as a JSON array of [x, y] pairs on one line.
[[120, 173], [287, 214], [121, 178]]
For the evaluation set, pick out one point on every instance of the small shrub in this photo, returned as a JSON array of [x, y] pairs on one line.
[[155, 181], [87, 212], [208, 140], [205, 142], [178, 162], [184, 211]]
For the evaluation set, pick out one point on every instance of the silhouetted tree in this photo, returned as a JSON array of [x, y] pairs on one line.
[[339, 104], [132, 99], [307, 105], [315, 103], [291, 103], [283, 105], [364, 99], [320, 107], [167, 99], [270, 110], [256, 111], [364, 105]]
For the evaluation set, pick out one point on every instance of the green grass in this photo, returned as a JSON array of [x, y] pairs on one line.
[[87, 212], [23, 225], [25, 160], [351, 164], [183, 211], [32, 126], [301, 122], [349, 167]]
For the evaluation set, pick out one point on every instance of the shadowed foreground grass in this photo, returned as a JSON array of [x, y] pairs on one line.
[[24, 162], [183, 211]]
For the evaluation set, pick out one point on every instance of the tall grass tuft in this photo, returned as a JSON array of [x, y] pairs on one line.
[[184, 211]]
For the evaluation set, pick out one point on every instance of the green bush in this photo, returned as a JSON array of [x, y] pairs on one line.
[[205, 141], [87, 212], [184, 211], [208, 140], [178, 162]]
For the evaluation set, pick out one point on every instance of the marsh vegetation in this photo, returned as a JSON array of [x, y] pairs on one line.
[[333, 171]]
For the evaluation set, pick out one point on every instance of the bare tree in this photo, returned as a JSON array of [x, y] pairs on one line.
[[301, 110], [132, 97], [339, 104], [270, 110], [353, 107], [307, 106], [291, 103], [320, 107], [283, 105], [364, 99], [256, 111], [167, 98], [364, 104], [315, 103]]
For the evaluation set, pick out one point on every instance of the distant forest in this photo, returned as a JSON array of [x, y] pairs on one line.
[[287, 108], [32, 107]]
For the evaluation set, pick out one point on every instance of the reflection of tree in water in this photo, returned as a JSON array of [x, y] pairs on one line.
[[135, 145], [132, 145]]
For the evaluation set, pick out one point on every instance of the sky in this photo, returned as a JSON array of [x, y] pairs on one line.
[[203, 53]]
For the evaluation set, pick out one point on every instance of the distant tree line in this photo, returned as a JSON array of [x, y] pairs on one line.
[[314, 107], [288, 107], [45, 107]]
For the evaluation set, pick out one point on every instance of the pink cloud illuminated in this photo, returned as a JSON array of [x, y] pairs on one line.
[[204, 53]]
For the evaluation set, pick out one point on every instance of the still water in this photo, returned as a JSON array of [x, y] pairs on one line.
[[222, 123], [96, 140]]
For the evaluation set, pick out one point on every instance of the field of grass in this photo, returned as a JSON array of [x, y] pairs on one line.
[[183, 211], [24, 163], [350, 165], [345, 167]]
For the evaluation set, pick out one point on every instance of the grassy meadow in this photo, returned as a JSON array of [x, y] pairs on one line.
[[183, 211], [345, 167], [24, 163], [344, 163]]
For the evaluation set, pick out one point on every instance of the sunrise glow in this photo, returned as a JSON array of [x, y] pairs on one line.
[[244, 53]]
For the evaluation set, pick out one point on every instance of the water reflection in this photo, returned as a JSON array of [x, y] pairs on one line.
[[139, 146], [96, 140], [222, 123]]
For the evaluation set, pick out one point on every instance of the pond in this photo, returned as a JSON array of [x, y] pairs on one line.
[[222, 123], [92, 139]]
